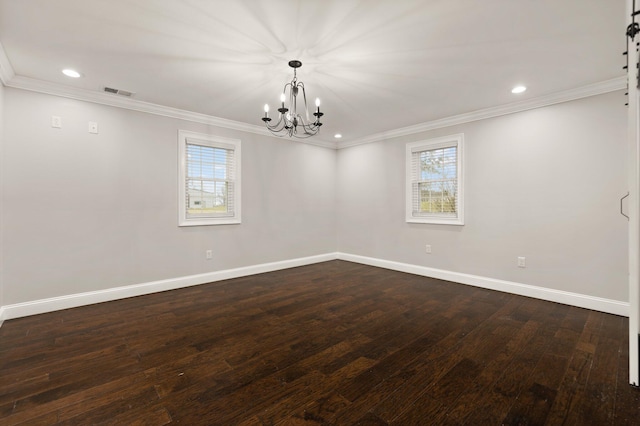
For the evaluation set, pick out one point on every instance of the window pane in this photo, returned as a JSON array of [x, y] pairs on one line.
[[438, 181], [208, 171]]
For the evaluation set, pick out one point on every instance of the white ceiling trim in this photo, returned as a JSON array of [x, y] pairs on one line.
[[10, 79], [34, 85], [6, 70], [539, 102], [41, 86]]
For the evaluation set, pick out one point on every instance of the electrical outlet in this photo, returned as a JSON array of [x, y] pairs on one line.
[[209, 254], [427, 248], [56, 122], [522, 262]]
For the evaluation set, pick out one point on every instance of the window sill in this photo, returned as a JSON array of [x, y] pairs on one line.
[[434, 221], [209, 222]]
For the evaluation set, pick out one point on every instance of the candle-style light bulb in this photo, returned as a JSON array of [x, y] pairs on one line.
[[282, 98], [317, 104], [266, 110]]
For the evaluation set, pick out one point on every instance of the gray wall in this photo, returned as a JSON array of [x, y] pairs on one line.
[[2, 89], [85, 212], [544, 184]]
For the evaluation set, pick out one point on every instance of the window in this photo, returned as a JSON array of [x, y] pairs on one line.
[[434, 181], [209, 180]]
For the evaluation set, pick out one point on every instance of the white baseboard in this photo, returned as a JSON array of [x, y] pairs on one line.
[[575, 299], [42, 306]]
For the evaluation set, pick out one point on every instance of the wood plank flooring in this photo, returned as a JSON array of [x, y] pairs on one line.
[[334, 343]]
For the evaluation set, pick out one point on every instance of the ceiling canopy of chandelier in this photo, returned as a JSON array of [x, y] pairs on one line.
[[292, 122]]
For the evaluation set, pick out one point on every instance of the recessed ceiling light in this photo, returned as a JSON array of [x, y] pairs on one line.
[[518, 89], [71, 73], [337, 136]]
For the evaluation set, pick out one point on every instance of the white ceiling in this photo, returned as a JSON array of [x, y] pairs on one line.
[[377, 65]]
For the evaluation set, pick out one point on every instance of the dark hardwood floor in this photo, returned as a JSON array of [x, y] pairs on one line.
[[331, 343]]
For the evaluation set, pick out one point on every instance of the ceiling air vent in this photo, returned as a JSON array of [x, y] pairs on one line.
[[118, 92]]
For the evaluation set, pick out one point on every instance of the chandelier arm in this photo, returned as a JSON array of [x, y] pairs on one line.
[[284, 89], [305, 135], [304, 95], [277, 127], [311, 130], [283, 109]]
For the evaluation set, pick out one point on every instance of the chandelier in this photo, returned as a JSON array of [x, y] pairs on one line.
[[291, 121]]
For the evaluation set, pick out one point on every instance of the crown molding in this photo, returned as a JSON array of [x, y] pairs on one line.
[[539, 102], [6, 70], [40, 86], [9, 79]]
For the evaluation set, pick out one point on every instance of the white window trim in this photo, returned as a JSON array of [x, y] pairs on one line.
[[216, 142], [445, 141]]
